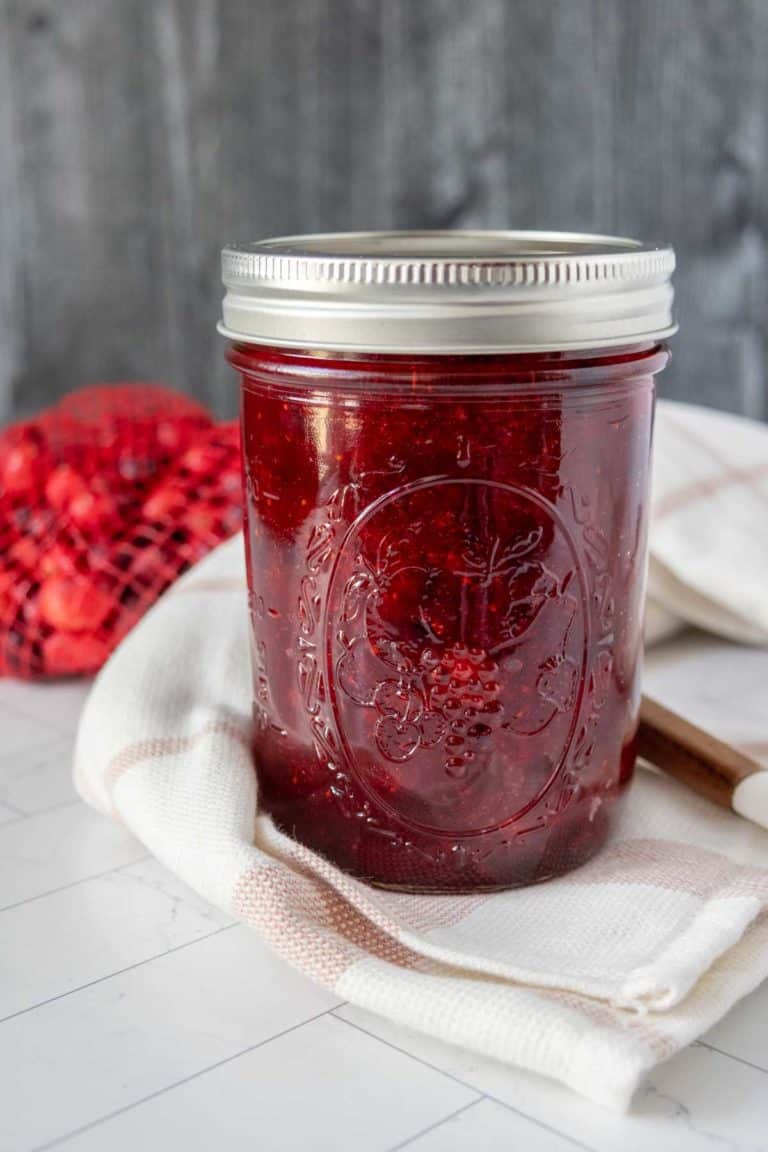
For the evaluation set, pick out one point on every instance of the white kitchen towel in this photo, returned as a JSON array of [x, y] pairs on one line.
[[592, 978], [709, 524]]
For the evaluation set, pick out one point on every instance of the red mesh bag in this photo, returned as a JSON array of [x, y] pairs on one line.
[[105, 499]]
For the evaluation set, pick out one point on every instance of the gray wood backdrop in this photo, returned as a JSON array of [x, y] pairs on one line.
[[136, 137]]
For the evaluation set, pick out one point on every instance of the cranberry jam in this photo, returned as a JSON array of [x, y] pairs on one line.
[[446, 542]]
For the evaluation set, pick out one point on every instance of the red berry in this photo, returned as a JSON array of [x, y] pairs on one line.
[[163, 502], [70, 654], [8, 579], [231, 520], [24, 552], [136, 469], [40, 523], [64, 485], [231, 480], [190, 552], [30, 608], [145, 560], [23, 464], [169, 435], [58, 560], [127, 620], [202, 521], [174, 434], [91, 510], [201, 459], [74, 603]]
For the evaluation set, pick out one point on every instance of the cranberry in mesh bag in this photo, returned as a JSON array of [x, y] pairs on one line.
[[105, 499]]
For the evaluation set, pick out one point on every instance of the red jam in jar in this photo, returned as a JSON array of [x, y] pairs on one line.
[[446, 542]]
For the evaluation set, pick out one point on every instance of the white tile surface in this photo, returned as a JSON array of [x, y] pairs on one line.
[[128, 1037], [54, 706], [744, 1031], [660, 1118], [54, 849], [39, 777], [134, 1016], [721, 1100], [488, 1127], [93, 929], [19, 731], [322, 1086]]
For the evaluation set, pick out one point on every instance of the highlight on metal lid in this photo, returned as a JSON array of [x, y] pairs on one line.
[[459, 292]]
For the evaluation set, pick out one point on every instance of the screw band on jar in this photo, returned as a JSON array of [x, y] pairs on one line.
[[448, 292]]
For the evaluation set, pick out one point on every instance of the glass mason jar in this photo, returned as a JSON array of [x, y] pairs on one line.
[[446, 447]]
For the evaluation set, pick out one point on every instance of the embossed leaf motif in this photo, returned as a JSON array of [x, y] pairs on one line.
[[393, 616], [529, 588], [600, 680], [557, 683], [355, 595], [489, 559]]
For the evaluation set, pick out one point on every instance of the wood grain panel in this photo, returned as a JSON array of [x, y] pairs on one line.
[[137, 136]]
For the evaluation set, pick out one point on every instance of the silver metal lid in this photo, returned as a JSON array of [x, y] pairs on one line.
[[447, 292]]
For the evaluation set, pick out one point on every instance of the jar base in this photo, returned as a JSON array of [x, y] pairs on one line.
[[475, 889], [564, 846]]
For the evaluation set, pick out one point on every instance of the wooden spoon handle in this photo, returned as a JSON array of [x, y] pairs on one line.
[[698, 759]]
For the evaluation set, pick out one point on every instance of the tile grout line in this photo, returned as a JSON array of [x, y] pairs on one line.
[[47, 727], [56, 808], [12, 808], [73, 803], [73, 883], [42, 749], [49, 741], [403, 1051], [732, 1056], [45, 735], [437, 1124], [178, 1083], [15, 819], [465, 1084], [117, 972]]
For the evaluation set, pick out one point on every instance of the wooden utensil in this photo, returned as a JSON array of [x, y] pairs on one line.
[[707, 765]]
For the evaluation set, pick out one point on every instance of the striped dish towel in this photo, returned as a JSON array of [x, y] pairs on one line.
[[709, 524], [592, 978]]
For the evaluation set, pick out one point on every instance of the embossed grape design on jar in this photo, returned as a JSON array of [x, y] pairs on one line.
[[446, 446]]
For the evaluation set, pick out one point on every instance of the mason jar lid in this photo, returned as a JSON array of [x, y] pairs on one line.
[[447, 292]]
